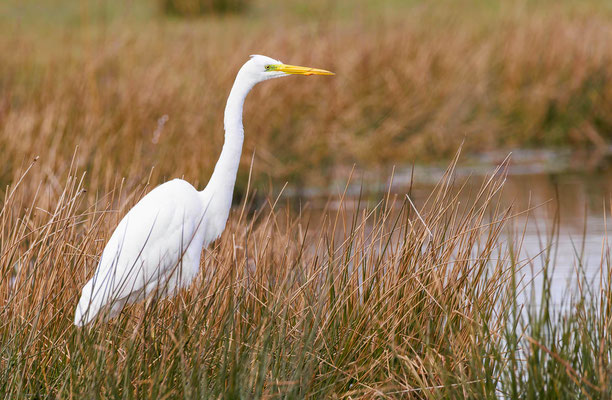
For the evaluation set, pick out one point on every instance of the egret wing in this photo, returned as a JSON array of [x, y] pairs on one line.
[[145, 249]]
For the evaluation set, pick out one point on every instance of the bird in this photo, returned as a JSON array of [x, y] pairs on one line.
[[156, 248]]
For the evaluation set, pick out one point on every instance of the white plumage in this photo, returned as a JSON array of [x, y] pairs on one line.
[[156, 248]]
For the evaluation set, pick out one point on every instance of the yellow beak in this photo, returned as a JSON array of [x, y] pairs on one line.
[[297, 70]]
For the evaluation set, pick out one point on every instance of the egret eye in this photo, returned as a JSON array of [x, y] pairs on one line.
[[268, 67]]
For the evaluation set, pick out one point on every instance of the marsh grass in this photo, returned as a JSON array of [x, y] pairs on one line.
[[367, 300], [412, 82]]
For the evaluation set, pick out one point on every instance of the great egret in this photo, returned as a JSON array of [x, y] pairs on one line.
[[156, 248]]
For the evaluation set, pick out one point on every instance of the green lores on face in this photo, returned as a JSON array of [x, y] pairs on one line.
[[297, 70]]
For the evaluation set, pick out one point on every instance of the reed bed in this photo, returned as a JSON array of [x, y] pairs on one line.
[[366, 300], [376, 298], [412, 83]]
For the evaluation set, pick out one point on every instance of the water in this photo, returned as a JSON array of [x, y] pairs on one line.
[[565, 202]]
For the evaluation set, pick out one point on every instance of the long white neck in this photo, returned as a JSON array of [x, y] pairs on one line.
[[217, 195]]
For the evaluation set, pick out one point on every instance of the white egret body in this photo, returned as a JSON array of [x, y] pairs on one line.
[[157, 246]]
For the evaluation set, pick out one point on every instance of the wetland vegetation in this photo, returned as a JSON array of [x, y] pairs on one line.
[[427, 287]]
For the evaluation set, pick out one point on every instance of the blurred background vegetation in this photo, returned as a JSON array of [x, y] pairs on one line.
[[201, 7], [141, 90]]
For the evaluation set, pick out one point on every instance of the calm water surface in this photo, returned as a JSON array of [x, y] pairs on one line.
[[557, 192]]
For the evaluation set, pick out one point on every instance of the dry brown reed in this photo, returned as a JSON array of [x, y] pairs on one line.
[[365, 300], [409, 86]]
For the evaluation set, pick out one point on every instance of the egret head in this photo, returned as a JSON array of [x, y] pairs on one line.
[[262, 68]]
